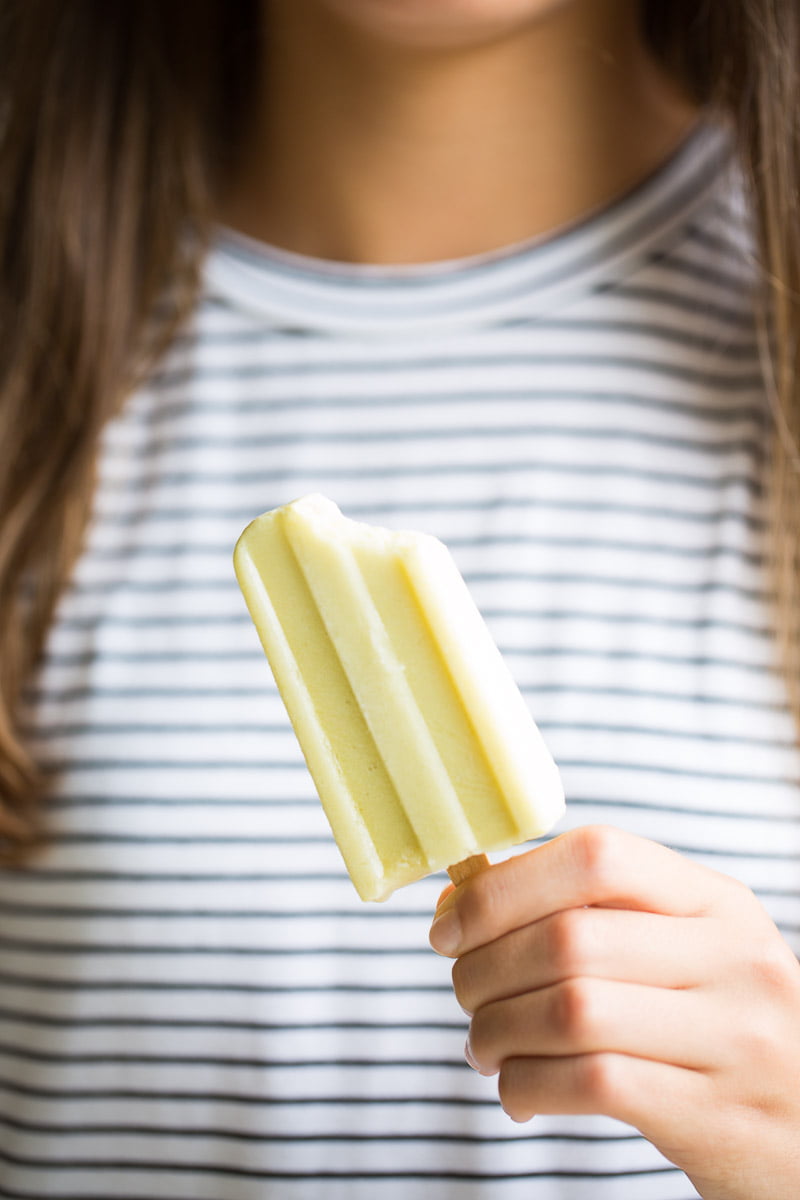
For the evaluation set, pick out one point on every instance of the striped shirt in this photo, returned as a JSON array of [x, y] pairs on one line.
[[194, 1003]]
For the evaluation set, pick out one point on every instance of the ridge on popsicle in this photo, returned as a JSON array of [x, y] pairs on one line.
[[420, 745]]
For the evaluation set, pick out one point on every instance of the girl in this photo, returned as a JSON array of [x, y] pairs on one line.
[[520, 272]]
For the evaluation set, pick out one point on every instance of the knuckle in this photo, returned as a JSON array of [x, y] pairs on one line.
[[775, 968], [569, 943], [598, 853], [735, 897], [573, 1012], [741, 890], [602, 1083], [757, 1041], [758, 1034]]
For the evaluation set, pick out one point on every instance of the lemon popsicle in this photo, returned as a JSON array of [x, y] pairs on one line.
[[419, 742]]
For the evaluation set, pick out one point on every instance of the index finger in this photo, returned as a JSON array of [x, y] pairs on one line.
[[595, 865]]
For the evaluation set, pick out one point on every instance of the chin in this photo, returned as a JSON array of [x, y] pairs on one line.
[[443, 24]]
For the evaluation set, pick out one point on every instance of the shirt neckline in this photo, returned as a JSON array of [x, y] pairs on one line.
[[520, 282]]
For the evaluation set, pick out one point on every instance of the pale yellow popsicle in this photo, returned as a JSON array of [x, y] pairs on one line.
[[420, 745]]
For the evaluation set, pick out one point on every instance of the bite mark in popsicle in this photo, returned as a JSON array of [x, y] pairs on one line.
[[420, 745]]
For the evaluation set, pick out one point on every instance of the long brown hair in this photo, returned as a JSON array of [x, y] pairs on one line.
[[118, 123]]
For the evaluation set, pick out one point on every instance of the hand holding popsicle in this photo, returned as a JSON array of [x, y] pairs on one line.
[[606, 974]]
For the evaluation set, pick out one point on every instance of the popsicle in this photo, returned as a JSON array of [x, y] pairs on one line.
[[421, 747]]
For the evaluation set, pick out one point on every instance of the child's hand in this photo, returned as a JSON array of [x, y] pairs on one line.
[[606, 974]]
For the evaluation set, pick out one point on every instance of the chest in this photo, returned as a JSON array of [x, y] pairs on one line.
[[601, 496]]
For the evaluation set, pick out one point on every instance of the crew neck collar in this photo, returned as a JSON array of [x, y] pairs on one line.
[[519, 282]]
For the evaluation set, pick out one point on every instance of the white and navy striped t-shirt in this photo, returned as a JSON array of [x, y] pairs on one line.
[[194, 1003]]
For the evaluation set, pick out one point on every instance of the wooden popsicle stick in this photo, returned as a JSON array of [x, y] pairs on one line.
[[468, 866]]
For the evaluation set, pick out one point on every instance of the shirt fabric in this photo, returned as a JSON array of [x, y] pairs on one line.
[[194, 1002]]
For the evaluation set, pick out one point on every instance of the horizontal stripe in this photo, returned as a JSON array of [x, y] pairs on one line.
[[396, 515], [708, 554], [246, 1100], [724, 280], [14, 1050], [262, 1136], [331, 473], [555, 689], [80, 800], [696, 303], [491, 614], [763, 815], [89, 875], [44, 732], [39, 911], [656, 731], [506, 503], [227, 1171], [734, 380], [173, 656], [70, 912], [713, 240], [167, 803], [94, 838], [62, 1195], [102, 764], [93, 985], [522, 653], [260, 338], [703, 587], [39, 946], [681, 772], [751, 446], [541, 689], [98, 728], [686, 810], [44, 1020], [74, 838]]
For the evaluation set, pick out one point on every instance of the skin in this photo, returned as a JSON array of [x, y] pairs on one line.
[[603, 973], [403, 131]]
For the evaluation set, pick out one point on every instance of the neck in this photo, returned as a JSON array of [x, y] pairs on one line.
[[366, 150]]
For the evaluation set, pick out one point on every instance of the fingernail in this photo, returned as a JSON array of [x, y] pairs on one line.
[[445, 935], [468, 1056]]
